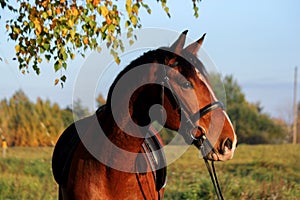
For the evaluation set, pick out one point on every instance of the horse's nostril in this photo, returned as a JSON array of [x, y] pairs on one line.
[[228, 143]]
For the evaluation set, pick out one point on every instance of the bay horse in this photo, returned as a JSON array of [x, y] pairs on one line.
[[117, 154]]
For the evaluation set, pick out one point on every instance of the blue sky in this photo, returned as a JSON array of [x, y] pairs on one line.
[[258, 42]]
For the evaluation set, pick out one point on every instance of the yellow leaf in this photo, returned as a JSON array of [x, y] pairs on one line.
[[68, 13], [38, 29], [128, 2], [58, 11], [49, 12], [117, 59], [85, 40], [104, 11], [108, 20], [45, 4], [115, 22], [7, 27], [128, 6], [72, 33], [135, 9], [37, 26], [46, 30], [74, 11], [96, 2], [134, 20], [17, 48], [64, 32], [70, 23], [56, 81]]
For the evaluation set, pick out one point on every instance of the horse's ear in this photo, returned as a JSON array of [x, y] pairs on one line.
[[177, 46], [194, 47]]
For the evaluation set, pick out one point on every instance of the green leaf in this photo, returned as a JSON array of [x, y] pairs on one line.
[[44, 15], [36, 69], [48, 57], [99, 49], [92, 24], [63, 78], [31, 24], [64, 65], [111, 28], [57, 66], [90, 6], [46, 46], [196, 9], [129, 33], [146, 7]]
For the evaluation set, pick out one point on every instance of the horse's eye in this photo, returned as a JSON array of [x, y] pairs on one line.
[[187, 85]]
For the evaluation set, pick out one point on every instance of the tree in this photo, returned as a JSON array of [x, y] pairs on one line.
[[79, 110], [24, 123], [252, 126], [58, 29], [100, 100]]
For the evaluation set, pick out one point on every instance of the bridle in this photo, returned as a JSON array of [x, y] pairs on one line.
[[202, 141]]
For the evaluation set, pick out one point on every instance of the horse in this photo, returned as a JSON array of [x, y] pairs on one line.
[[116, 153]]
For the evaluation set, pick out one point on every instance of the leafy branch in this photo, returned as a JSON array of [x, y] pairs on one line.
[[57, 30]]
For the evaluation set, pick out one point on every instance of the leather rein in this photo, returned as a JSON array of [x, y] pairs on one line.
[[202, 142]]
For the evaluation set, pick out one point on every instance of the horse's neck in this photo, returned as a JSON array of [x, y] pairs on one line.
[[116, 135], [126, 118]]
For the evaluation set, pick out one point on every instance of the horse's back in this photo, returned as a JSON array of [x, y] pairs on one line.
[[64, 150]]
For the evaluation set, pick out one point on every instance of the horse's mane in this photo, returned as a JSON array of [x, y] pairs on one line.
[[160, 56]]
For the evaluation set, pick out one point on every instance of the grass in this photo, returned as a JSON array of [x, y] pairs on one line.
[[25, 173], [256, 172]]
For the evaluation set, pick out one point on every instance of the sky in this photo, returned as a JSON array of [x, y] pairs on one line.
[[257, 42]]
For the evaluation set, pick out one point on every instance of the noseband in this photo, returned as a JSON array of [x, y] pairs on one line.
[[202, 141]]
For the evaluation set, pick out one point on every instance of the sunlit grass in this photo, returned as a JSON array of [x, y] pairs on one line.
[[25, 173], [256, 172]]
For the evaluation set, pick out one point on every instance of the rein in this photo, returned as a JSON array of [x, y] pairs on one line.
[[211, 169], [202, 141]]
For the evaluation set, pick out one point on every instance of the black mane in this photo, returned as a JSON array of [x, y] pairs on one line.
[[162, 56]]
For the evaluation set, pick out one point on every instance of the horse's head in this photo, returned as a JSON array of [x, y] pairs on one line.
[[191, 105], [175, 78]]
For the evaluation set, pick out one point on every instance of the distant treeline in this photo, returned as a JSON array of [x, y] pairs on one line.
[[252, 125], [25, 123]]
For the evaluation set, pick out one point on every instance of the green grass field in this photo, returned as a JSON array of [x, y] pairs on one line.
[[256, 172]]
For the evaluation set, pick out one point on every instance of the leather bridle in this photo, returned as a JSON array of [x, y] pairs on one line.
[[202, 141]]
